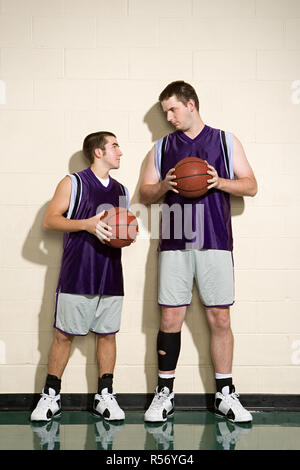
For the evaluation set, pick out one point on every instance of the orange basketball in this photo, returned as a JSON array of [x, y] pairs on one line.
[[191, 177], [124, 226]]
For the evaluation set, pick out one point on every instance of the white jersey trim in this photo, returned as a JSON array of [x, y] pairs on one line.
[[73, 195], [229, 144], [158, 154]]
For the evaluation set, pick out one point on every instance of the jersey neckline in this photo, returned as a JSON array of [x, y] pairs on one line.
[[104, 188], [198, 137]]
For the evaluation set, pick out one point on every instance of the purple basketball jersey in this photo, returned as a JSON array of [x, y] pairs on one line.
[[205, 222], [88, 266]]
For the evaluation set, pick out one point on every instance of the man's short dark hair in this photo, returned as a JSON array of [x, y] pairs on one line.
[[183, 92], [96, 140]]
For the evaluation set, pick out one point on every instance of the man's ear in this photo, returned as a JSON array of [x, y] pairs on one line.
[[98, 153], [191, 105]]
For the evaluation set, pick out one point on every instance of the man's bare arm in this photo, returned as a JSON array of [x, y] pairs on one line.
[[245, 183], [151, 189], [54, 219]]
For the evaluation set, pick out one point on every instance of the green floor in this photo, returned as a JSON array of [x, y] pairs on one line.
[[188, 430]]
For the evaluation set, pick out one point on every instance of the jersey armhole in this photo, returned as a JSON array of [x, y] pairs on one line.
[[227, 147], [75, 198], [160, 146]]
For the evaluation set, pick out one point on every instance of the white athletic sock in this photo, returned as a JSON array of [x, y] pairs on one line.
[[166, 376], [223, 376]]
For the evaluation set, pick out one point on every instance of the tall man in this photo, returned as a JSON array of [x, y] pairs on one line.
[[209, 262], [90, 287]]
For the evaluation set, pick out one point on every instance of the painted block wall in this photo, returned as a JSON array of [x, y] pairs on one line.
[[71, 67]]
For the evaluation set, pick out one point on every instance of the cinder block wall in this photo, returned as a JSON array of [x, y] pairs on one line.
[[71, 67]]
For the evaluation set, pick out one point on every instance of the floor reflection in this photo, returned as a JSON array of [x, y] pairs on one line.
[[187, 430]]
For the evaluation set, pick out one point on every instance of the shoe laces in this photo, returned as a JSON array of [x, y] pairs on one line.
[[108, 395], [234, 395], [45, 396], [48, 395], [159, 398], [46, 401], [233, 399]]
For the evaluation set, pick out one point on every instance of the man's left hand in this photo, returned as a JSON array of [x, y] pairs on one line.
[[215, 180]]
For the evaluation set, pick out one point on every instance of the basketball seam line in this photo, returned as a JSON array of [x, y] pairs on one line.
[[191, 176]]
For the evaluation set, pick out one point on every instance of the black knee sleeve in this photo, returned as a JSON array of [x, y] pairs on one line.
[[170, 344]]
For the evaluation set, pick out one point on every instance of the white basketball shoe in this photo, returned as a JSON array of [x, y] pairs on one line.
[[162, 406], [48, 407], [106, 405], [231, 408]]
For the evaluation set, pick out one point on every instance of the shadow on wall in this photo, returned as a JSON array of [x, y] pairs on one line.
[[45, 248], [195, 319]]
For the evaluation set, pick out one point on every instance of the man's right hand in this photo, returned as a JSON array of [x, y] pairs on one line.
[[168, 183], [100, 229], [151, 188]]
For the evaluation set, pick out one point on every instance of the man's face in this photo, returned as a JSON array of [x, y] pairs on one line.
[[177, 113], [112, 153]]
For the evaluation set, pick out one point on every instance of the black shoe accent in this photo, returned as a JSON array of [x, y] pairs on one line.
[[230, 415], [164, 413], [94, 411], [49, 414], [218, 401], [106, 413]]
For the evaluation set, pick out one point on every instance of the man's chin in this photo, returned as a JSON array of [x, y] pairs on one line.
[[181, 128]]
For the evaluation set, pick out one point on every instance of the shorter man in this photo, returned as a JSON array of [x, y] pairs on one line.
[[90, 287]]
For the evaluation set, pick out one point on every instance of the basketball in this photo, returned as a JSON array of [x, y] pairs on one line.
[[191, 177], [124, 226]]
